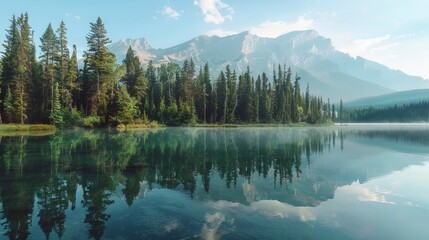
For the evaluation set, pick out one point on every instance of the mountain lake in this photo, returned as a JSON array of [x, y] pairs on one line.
[[353, 182]]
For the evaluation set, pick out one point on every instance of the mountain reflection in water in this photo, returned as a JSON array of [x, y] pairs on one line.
[[43, 179]]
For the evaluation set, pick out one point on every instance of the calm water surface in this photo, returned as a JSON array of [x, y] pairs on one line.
[[183, 183]]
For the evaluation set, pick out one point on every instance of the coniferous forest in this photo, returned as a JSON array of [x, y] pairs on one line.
[[412, 112], [44, 84]]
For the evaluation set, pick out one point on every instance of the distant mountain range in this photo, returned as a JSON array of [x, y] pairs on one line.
[[396, 98], [329, 72]]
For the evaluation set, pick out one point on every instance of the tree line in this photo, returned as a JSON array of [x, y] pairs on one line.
[[51, 88], [412, 112]]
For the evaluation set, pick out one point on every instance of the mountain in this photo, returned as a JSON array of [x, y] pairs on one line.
[[398, 98], [329, 72]]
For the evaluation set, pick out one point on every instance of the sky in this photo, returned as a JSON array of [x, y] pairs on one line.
[[392, 32]]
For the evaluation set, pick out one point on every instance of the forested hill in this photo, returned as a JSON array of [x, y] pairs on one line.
[[397, 98], [52, 88], [411, 112]]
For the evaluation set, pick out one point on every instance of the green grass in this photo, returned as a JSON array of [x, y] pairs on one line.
[[26, 129], [152, 124]]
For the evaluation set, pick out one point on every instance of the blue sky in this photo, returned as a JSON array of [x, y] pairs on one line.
[[392, 32]]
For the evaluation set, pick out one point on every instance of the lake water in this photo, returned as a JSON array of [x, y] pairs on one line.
[[195, 183]]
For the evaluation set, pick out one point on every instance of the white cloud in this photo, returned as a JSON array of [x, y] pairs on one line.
[[274, 29], [364, 194], [171, 13], [221, 32], [211, 10], [276, 208], [368, 47]]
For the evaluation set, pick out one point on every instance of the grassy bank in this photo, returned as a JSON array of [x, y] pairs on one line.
[[26, 127], [152, 124]]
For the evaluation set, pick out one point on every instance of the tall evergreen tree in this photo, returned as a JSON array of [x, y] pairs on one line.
[[135, 78], [297, 102], [257, 99], [57, 116], [231, 79], [48, 57], [8, 105], [71, 81], [63, 65], [265, 101], [222, 97], [307, 99], [20, 80], [101, 65], [210, 94], [200, 96], [63, 52]]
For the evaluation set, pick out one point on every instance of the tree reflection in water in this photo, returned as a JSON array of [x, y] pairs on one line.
[[47, 170]]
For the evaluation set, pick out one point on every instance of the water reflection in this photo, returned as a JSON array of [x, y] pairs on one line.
[[40, 175]]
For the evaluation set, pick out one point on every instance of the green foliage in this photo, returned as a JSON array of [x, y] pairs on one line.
[[72, 117], [8, 105], [170, 115], [91, 122], [125, 107], [57, 114]]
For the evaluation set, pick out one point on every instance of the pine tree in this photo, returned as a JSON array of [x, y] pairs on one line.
[[125, 107], [210, 100], [341, 111], [71, 81], [307, 99], [151, 77], [257, 99], [131, 68], [20, 80], [289, 96], [8, 106], [297, 101], [63, 65], [135, 79], [231, 79], [265, 101], [222, 97], [63, 52], [101, 65], [200, 96], [48, 57], [57, 115]]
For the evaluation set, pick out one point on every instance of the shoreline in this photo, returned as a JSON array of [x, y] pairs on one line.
[[381, 124]]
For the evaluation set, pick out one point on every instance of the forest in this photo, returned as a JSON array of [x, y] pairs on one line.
[[51, 87], [412, 112]]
